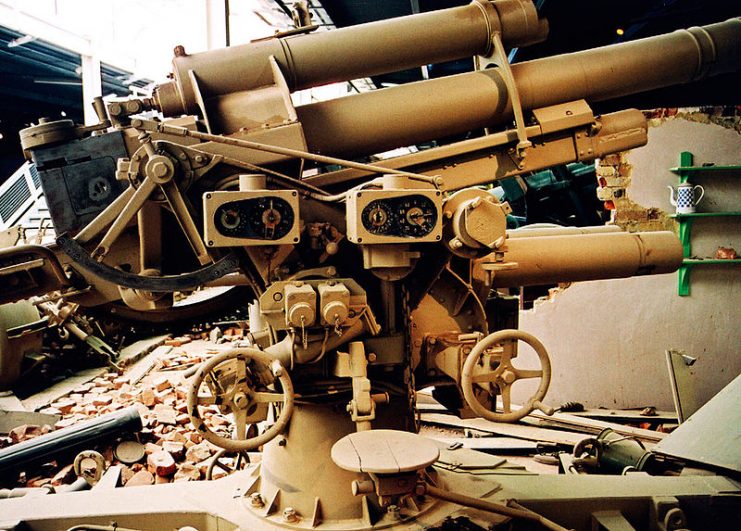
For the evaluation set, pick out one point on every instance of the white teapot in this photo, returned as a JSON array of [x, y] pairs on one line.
[[683, 198]]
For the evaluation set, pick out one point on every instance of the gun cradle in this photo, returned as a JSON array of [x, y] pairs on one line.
[[369, 281]]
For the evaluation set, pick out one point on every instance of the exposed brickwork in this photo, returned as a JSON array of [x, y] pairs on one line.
[[614, 171], [725, 116], [613, 179]]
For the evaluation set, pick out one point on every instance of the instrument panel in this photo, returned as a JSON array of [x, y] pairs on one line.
[[394, 216], [250, 218]]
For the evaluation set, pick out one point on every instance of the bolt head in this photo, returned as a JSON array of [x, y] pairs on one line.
[[159, 169], [394, 512], [290, 515], [256, 500]]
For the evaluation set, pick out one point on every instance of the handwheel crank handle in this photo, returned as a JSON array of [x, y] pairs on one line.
[[517, 511], [546, 409]]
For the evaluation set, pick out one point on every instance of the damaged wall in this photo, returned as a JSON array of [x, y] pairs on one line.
[[607, 338]]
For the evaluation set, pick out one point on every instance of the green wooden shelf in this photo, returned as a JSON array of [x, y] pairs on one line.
[[685, 226], [688, 264], [709, 261], [705, 215], [724, 171], [685, 170]]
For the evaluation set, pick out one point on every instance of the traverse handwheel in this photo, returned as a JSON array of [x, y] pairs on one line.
[[242, 382], [489, 367]]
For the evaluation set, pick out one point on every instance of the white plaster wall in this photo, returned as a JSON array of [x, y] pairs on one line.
[[607, 338]]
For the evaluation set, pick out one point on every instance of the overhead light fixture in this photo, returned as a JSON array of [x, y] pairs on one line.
[[20, 41], [60, 81], [620, 31]]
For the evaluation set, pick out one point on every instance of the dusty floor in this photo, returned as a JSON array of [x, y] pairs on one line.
[[157, 387]]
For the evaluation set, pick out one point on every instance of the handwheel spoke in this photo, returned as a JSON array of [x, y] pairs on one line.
[[149, 221], [485, 377], [523, 374], [215, 384], [127, 213], [262, 397], [506, 398], [182, 213], [222, 466], [204, 400], [240, 421]]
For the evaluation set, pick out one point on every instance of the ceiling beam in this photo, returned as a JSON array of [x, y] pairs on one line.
[[29, 24]]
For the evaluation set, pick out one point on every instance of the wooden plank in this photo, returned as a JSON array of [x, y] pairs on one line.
[[626, 415], [60, 389], [10, 402], [517, 431], [427, 404], [139, 349], [683, 385], [590, 426], [110, 480], [13, 419], [144, 365], [711, 436]]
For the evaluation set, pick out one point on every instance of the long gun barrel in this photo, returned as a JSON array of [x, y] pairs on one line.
[[359, 51], [422, 111], [77, 437]]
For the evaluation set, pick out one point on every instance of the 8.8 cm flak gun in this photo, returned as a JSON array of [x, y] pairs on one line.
[[369, 280]]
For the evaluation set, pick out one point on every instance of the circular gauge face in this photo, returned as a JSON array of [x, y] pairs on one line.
[[230, 218], [260, 218], [271, 218], [418, 216], [377, 217]]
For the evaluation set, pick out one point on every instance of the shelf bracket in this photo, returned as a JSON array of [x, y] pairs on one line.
[[683, 288]]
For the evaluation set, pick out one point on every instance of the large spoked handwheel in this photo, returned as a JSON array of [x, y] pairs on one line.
[[489, 367], [238, 381]]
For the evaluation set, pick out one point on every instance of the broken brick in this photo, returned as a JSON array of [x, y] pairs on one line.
[[165, 414], [161, 463], [64, 405], [161, 384], [126, 474], [147, 397], [198, 453], [142, 477], [187, 472], [103, 400], [175, 449], [151, 448], [25, 432]]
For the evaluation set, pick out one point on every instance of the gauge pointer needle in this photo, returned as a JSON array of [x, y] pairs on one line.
[[270, 225]]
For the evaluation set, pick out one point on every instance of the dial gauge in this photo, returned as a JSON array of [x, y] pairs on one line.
[[411, 216], [377, 217], [262, 218], [420, 216]]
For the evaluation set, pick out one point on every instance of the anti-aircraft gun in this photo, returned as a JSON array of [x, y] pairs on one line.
[[369, 280]]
